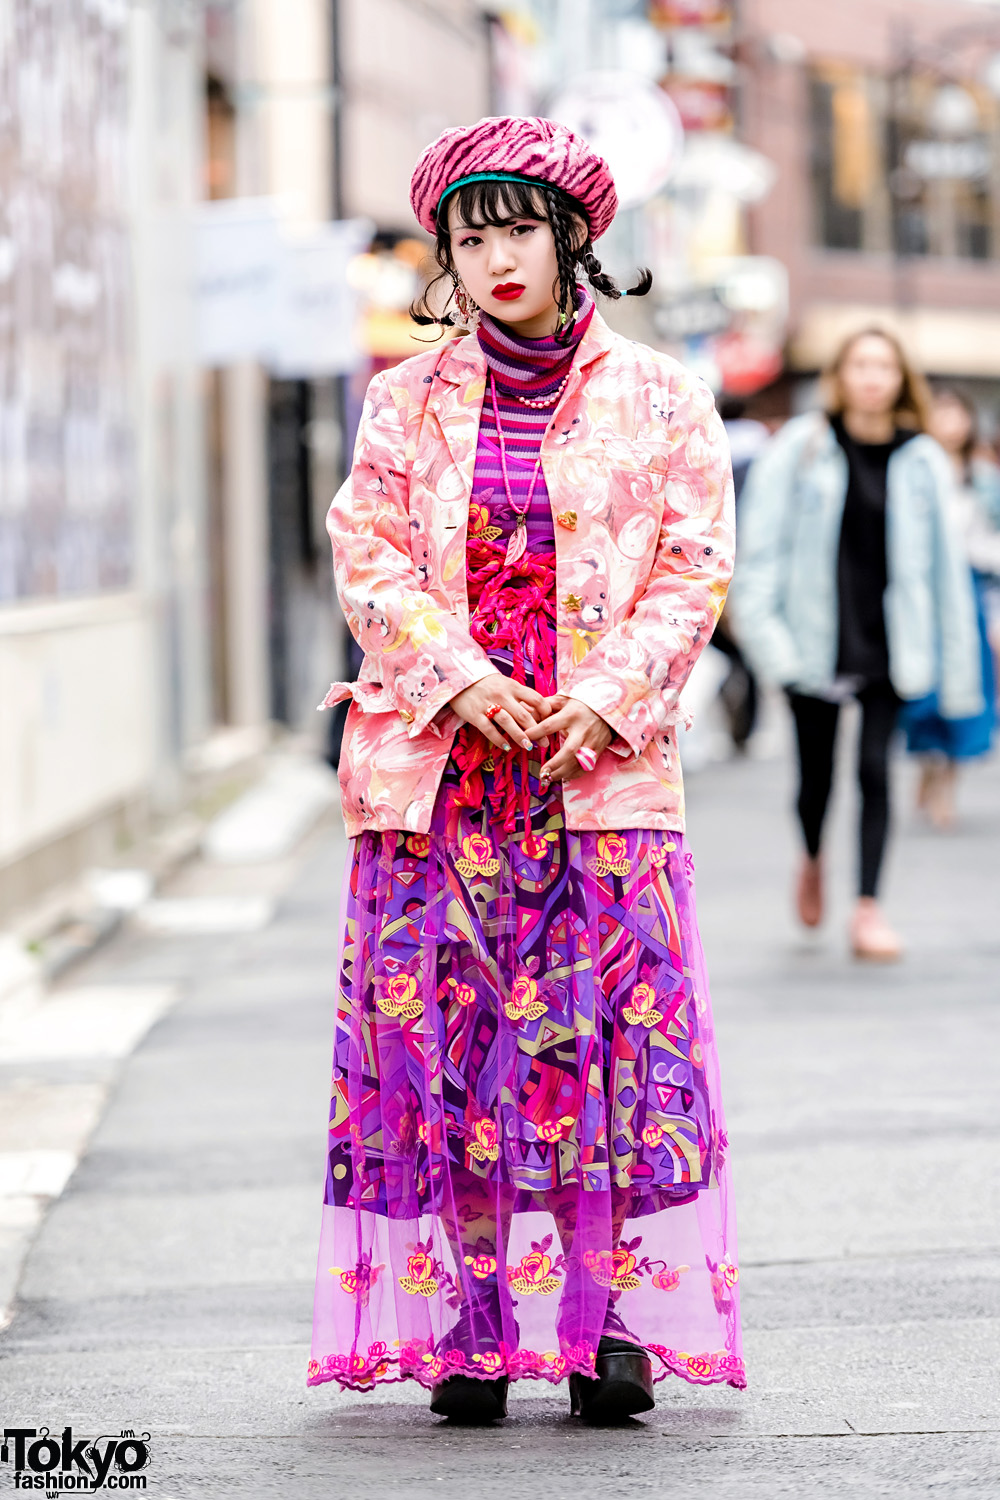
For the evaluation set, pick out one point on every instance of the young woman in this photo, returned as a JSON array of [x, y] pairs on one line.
[[942, 744], [852, 583], [527, 1169]]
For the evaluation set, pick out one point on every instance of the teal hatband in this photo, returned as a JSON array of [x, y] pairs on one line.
[[485, 177]]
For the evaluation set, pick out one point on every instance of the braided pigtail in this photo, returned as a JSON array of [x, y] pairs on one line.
[[567, 230], [575, 252]]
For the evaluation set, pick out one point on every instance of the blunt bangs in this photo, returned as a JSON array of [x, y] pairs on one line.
[[483, 205]]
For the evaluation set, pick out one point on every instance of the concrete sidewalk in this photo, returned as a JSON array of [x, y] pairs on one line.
[[169, 1289]]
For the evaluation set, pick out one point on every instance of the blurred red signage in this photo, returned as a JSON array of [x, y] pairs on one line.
[[746, 364], [690, 12], [701, 104]]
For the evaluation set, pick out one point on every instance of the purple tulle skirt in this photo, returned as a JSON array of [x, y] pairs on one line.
[[527, 1144]]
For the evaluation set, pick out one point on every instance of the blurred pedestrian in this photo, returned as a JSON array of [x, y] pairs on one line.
[[941, 743], [527, 1170], [738, 694], [851, 583]]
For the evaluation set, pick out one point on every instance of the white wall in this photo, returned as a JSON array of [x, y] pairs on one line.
[[76, 734], [100, 693]]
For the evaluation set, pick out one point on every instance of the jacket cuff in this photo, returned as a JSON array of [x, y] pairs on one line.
[[428, 711], [596, 696]]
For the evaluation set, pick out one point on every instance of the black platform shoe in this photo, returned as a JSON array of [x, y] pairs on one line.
[[460, 1397], [473, 1401], [623, 1383]]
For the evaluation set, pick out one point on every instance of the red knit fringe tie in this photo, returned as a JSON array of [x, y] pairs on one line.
[[513, 609]]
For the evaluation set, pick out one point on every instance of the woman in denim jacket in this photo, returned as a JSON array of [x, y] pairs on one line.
[[851, 582]]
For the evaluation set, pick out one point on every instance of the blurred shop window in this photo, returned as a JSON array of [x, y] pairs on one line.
[[850, 187], [945, 169], [905, 165]]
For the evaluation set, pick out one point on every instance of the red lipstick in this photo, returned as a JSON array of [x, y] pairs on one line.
[[508, 291]]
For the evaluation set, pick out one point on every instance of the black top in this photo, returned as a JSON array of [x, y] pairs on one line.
[[862, 650]]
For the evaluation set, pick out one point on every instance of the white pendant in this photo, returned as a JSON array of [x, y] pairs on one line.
[[517, 543]]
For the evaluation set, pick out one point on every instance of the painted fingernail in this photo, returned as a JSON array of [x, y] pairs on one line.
[[504, 746], [526, 744]]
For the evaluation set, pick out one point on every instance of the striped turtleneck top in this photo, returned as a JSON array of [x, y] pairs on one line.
[[533, 369]]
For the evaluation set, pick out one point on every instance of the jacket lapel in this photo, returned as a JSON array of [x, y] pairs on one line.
[[457, 403]]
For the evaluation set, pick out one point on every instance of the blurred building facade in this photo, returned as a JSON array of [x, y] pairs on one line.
[[883, 120], [101, 489], [165, 598]]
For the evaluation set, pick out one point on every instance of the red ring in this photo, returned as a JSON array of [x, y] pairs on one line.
[[493, 710]]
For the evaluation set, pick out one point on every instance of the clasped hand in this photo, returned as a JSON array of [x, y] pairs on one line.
[[527, 718]]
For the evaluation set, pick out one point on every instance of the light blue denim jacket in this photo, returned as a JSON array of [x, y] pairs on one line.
[[783, 599]]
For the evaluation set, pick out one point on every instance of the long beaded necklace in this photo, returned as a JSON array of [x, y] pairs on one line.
[[519, 539]]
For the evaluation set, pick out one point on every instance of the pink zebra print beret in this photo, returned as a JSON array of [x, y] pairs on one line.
[[512, 146]]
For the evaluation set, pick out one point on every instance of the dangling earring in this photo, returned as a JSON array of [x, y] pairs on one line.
[[468, 310]]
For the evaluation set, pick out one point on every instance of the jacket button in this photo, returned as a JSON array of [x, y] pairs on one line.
[[567, 518], [406, 716]]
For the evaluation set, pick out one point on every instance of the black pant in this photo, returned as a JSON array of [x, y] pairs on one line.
[[816, 727]]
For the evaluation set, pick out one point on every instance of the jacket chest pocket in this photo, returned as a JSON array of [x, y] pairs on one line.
[[635, 476], [618, 485]]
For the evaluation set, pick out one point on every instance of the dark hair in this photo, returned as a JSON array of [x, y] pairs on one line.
[[912, 408], [500, 203], [945, 392]]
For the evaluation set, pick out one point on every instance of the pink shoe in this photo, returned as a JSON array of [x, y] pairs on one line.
[[871, 936], [809, 892]]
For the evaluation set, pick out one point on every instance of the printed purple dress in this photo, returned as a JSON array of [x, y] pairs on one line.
[[527, 1145]]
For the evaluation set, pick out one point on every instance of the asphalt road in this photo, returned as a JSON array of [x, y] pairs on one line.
[[169, 1287]]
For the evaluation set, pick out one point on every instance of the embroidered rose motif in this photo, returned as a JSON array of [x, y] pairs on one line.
[[358, 1283], [622, 1267], [420, 1281], [476, 857], [418, 844], [551, 1130], [533, 1275], [641, 1009], [614, 1270], [653, 1135], [668, 1281], [723, 1278], [464, 994], [481, 1266], [399, 997], [479, 523], [700, 1365], [535, 845], [486, 1145], [612, 856], [524, 1004], [491, 1361]]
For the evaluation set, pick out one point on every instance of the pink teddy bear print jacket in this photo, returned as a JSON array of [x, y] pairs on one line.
[[637, 466]]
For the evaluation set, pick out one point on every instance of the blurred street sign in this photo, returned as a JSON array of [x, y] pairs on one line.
[[631, 123], [238, 251], [720, 164], [316, 324], [691, 315], [934, 160], [285, 302]]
